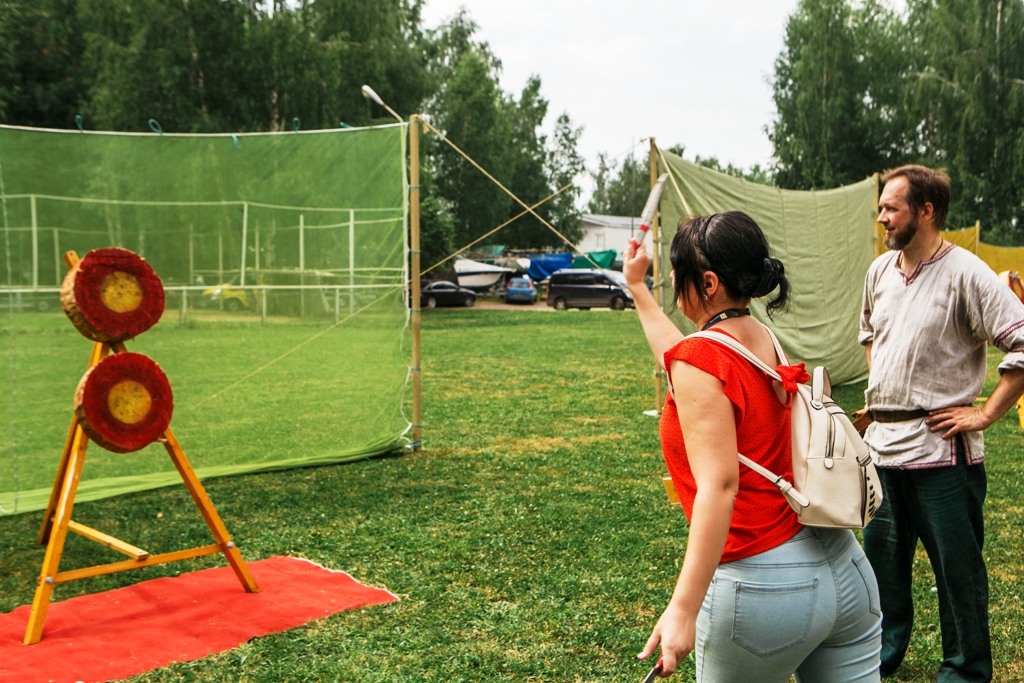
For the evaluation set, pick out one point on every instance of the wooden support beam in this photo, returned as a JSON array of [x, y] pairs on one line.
[[99, 352], [107, 540], [205, 505], [58, 533], [125, 565]]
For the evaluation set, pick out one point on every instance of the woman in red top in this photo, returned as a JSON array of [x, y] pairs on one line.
[[759, 597]]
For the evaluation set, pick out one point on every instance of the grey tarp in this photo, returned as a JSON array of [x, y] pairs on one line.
[[824, 238]]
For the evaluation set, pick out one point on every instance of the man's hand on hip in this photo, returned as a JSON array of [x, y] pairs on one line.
[[958, 419]]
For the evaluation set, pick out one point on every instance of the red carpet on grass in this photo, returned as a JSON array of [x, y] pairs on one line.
[[113, 635]]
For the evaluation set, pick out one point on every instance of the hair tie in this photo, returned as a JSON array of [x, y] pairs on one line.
[[771, 272]]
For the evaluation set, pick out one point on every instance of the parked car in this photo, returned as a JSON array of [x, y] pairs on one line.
[[443, 293], [586, 289], [233, 297], [520, 289]]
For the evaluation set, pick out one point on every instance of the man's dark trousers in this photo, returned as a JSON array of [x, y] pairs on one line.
[[943, 507]]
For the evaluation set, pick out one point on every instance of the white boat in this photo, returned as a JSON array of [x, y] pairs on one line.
[[476, 275]]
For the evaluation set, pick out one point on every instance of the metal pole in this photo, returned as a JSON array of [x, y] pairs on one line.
[[337, 305], [659, 290], [191, 257], [414, 276], [977, 244], [351, 261], [263, 307], [35, 244], [220, 266], [56, 256], [302, 265], [245, 230], [184, 306]]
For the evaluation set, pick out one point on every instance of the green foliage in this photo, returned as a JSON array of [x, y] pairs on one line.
[[437, 231], [832, 93], [530, 541], [42, 81], [503, 134], [626, 193], [529, 180], [473, 118], [622, 194], [185, 64], [860, 88], [241, 65], [755, 174], [966, 89], [565, 165]]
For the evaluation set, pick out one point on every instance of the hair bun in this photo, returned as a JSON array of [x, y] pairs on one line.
[[772, 271]]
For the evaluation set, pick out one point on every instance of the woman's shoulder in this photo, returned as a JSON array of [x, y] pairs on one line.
[[705, 354]]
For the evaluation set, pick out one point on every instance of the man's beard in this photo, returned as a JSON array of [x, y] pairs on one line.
[[901, 238]]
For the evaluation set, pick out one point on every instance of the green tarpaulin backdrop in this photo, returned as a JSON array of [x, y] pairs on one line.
[[823, 238]]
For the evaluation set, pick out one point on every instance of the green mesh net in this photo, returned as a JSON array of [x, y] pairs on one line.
[[282, 258]]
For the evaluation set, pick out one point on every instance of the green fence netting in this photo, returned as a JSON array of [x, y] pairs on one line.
[[282, 258], [824, 238]]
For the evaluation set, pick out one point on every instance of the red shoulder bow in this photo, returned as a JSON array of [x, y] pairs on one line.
[[792, 375]]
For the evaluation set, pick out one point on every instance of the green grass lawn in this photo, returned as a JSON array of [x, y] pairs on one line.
[[328, 399], [530, 541]]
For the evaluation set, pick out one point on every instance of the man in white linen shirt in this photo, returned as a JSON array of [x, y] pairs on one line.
[[930, 310]]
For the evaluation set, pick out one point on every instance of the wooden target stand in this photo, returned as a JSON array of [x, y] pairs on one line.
[[57, 521]]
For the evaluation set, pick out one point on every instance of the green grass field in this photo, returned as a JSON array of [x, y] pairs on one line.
[[332, 396], [530, 541]]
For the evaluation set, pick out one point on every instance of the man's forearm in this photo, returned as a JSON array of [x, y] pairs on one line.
[[1007, 391]]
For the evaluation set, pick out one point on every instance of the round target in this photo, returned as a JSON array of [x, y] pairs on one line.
[[112, 294], [124, 403]]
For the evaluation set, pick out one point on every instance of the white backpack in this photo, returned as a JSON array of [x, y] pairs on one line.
[[835, 484]]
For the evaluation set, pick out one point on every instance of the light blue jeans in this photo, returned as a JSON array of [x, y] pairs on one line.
[[809, 607]]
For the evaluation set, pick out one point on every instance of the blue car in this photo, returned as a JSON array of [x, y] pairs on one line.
[[520, 290]]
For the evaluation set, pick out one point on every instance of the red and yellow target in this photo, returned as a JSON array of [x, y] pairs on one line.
[[112, 294], [124, 403]]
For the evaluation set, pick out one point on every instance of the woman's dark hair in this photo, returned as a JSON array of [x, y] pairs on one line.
[[732, 246]]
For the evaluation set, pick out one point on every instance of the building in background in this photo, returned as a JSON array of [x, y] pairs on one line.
[[607, 232]]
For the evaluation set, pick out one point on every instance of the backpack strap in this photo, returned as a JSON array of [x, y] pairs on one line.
[[784, 487], [726, 340], [778, 347]]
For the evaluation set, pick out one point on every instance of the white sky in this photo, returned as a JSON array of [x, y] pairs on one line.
[[685, 72]]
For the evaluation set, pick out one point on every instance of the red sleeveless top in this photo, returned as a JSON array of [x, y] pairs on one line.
[[761, 518]]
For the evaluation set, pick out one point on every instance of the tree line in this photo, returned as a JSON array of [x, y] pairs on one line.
[[209, 66], [860, 87]]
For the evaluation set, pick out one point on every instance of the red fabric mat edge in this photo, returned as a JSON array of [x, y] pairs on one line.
[[120, 633]]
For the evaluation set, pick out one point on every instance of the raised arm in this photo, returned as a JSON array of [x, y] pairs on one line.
[[662, 334], [709, 424]]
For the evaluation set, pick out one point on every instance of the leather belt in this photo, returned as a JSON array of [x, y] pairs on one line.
[[898, 415]]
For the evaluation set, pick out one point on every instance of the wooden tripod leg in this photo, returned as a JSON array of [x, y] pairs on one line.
[[59, 532], [58, 484], [205, 505], [99, 352]]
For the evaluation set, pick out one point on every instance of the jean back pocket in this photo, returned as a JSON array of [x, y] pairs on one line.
[[870, 582], [770, 618]]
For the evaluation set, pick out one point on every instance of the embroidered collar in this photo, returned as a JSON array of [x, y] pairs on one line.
[[908, 280]]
